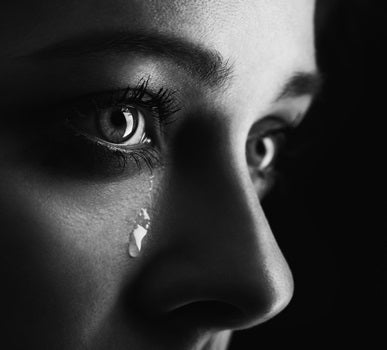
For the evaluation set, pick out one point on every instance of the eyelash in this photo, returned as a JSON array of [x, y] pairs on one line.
[[161, 105]]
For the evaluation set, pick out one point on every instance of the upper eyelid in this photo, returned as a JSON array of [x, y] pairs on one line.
[[116, 94], [278, 131], [270, 124], [104, 97], [164, 100]]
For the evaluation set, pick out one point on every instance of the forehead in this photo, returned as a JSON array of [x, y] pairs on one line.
[[226, 24], [264, 40]]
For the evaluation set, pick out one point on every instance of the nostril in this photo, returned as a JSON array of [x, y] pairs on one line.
[[240, 312], [208, 314]]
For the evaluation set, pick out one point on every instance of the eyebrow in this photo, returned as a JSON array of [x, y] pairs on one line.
[[206, 64], [301, 84]]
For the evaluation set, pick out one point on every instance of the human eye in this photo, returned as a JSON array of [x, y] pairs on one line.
[[264, 145], [121, 128]]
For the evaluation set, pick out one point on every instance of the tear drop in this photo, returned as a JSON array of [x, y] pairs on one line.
[[135, 240], [141, 227], [138, 233]]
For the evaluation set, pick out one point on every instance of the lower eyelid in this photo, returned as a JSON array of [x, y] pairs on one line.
[[115, 160]]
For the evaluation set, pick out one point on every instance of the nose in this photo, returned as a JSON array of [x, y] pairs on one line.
[[216, 262]]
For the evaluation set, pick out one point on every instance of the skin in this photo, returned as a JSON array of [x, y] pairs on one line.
[[210, 264]]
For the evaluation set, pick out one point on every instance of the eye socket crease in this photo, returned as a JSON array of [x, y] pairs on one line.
[[204, 64], [301, 84]]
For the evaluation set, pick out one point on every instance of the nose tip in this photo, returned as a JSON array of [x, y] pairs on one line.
[[262, 304], [239, 300]]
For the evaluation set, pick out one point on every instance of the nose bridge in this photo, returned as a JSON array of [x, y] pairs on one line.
[[218, 244], [221, 214], [231, 240]]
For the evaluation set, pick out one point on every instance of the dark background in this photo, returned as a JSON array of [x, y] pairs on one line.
[[328, 210]]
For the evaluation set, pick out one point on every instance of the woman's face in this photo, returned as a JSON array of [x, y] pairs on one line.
[[138, 139]]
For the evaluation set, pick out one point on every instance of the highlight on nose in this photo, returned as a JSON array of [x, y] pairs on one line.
[[228, 271]]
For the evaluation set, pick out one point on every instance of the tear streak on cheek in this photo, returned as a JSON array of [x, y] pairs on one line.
[[142, 225]]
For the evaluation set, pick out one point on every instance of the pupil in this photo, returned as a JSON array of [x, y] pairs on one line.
[[118, 119], [260, 148]]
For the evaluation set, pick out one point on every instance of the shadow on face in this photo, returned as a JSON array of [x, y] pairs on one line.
[[103, 99]]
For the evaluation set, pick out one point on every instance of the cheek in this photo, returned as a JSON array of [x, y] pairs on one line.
[[67, 245]]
